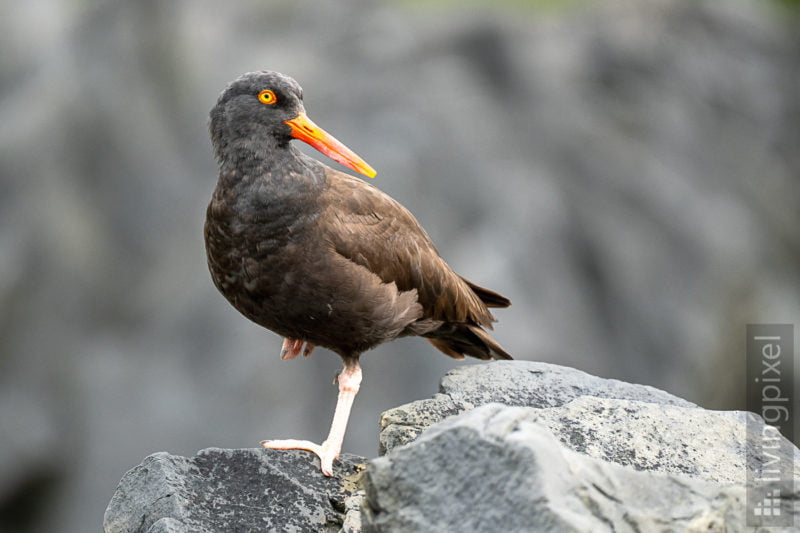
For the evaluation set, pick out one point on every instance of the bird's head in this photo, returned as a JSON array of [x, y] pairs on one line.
[[262, 111]]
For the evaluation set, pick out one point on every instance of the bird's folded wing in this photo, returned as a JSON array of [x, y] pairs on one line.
[[373, 230]]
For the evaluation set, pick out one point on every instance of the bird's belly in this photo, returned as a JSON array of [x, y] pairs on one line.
[[302, 292], [283, 291]]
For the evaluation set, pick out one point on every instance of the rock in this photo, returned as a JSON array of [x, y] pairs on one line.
[[352, 516], [568, 452], [233, 490], [628, 424], [710, 445], [497, 469], [520, 383]]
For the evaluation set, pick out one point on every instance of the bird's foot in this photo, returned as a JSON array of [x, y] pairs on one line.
[[291, 348], [326, 452]]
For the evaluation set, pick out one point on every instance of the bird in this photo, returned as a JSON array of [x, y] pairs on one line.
[[321, 257]]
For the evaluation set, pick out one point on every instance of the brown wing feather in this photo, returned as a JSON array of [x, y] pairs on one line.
[[371, 229], [375, 231]]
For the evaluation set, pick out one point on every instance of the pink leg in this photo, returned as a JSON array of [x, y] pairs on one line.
[[349, 382], [291, 348]]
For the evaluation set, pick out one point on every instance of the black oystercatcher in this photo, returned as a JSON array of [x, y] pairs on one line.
[[323, 258]]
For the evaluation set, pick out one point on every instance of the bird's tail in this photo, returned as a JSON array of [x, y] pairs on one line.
[[488, 297], [458, 340]]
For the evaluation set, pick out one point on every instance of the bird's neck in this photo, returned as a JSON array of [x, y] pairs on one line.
[[256, 157], [282, 172]]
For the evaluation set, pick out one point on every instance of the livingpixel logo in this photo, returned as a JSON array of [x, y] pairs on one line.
[[770, 506], [770, 394]]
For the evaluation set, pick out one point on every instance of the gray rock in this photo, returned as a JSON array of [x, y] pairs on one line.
[[567, 452], [518, 383], [498, 468], [573, 452], [233, 490], [352, 516], [710, 445]]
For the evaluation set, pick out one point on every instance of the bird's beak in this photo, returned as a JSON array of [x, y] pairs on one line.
[[307, 131]]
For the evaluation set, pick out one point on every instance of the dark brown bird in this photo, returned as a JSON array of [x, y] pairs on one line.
[[323, 258]]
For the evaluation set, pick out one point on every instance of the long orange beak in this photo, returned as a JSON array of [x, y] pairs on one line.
[[305, 130]]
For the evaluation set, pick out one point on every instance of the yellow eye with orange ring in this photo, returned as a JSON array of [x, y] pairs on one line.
[[267, 97]]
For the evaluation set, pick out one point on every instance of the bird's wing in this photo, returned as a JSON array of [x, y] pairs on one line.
[[373, 230]]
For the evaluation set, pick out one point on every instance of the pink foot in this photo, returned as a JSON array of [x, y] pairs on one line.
[[349, 382], [326, 452]]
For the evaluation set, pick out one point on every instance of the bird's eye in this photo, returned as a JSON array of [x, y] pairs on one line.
[[267, 97]]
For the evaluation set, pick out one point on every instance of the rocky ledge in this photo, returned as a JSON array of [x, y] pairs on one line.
[[504, 446]]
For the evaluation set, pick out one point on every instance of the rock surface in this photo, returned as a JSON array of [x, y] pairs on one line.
[[497, 469], [233, 490], [628, 424], [517, 383], [504, 446], [585, 454]]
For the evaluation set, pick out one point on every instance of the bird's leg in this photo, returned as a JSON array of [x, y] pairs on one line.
[[349, 382], [291, 348]]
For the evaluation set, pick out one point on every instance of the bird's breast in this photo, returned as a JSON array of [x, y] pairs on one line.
[[254, 247]]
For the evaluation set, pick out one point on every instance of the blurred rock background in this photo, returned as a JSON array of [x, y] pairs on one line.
[[626, 172]]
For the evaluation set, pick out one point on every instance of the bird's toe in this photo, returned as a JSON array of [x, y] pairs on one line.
[[327, 453]]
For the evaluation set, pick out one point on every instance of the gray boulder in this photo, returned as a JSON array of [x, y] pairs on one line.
[[505, 446], [710, 445], [567, 452], [519, 383], [233, 490], [497, 469]]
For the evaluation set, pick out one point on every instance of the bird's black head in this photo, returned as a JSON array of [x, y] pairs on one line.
[[252, 111], [260, 112]]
